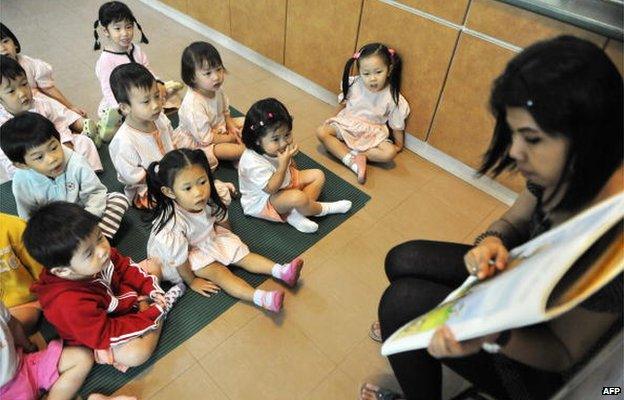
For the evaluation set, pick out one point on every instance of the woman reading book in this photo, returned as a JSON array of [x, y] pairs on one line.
[[559, 122]]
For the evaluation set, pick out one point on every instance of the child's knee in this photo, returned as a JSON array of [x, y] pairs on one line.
[[318, 176], [323, 131], [77, 358], [134, 353]]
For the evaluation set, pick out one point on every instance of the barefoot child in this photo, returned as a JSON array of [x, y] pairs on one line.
[[271, 186], [192, 237]]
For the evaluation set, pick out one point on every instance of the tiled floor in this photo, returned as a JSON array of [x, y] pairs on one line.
[[318, 348]]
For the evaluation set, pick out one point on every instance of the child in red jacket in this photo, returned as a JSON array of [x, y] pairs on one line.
[[93, 295]]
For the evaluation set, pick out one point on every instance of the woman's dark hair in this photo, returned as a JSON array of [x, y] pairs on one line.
[[23, 132], [111, 12], [264, 116], [54, 232], [6, 32], [194, 56], [390, 57], [163, 174], [572, 90]]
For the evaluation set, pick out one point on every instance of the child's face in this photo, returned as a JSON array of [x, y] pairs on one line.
[[374, 72], [120, 34], [275, 141], [15, 94], [47, 159], [8, 48], [191, 188], [91, 256], [145, 105], [209, 79]]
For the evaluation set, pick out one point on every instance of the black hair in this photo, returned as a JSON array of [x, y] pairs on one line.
[[6, 32], [10, 68], [163, 174], [264, 116], [389, 56], [111, 12], [194, 56], [572, 90], [127, 76], [55, 230], [23, 132]]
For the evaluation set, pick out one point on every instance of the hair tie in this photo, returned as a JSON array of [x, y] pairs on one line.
[[392, 52], [356, 55], [157, 167], [529, 103]]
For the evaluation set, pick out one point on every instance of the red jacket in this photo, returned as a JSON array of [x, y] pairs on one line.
[[101, 311]]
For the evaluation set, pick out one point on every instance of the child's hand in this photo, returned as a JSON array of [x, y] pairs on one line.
[[159, 299], [285, 156], [79, 110], [204, 287]]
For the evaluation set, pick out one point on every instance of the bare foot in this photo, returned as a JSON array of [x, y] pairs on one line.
[[368, 391], [99, 396]]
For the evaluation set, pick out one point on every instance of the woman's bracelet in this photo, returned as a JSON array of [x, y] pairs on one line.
[[485, 234]]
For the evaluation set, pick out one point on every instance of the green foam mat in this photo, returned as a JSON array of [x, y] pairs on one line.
[[279, 242]]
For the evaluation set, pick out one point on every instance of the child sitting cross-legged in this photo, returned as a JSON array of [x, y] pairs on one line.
[[48, 171], [92, 294]]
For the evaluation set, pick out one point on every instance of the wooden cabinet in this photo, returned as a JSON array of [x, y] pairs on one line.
[[450, 10], [614, 51], [425, 47], [519, 27], [213, 13], [260, 25], [320, 37], [180, 5], [463, 124]]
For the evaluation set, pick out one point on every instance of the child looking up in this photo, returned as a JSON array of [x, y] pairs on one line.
[[369, 103]]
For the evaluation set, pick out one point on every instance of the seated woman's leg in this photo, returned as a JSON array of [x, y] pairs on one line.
[[440, 262]]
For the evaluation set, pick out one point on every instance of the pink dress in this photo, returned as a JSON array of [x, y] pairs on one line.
[[194, 237], [106, 64], [201, 118], [362, 123]]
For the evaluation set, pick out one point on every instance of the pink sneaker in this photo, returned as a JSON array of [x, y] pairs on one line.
[[273, 301], [290, 275], [360, 161]]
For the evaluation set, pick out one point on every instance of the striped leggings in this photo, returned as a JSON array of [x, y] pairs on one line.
[[116, 206]]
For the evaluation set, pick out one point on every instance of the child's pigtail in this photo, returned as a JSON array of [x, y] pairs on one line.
[[143, 37], [395, 75], [96, 46], [346, 74], [161, 205]]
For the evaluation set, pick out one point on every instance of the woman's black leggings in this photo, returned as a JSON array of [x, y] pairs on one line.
[[422, 274]]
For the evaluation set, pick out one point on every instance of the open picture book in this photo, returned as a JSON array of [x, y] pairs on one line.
[[545, 277]]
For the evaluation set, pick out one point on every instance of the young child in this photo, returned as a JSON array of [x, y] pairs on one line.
[[16, 96], [48, 171], [145, 135], [93, 295], [38, 72], [369, 103], [192, 238], [117, 26], [270, 184], [18, 270], [205, 121]]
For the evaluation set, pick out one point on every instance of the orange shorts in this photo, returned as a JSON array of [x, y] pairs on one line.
[[269, 212]]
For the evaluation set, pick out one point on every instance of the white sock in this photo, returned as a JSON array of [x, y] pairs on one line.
[[301, 223], [277, 271], [258, 295], [335, 207], [348, 161]]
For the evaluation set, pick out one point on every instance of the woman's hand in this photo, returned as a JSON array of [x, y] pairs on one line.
[[204, 287], [444, 345], [485, 259]]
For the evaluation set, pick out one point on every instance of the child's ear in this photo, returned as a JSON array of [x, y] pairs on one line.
[[62, 272], [124, 108], [167, 191]]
